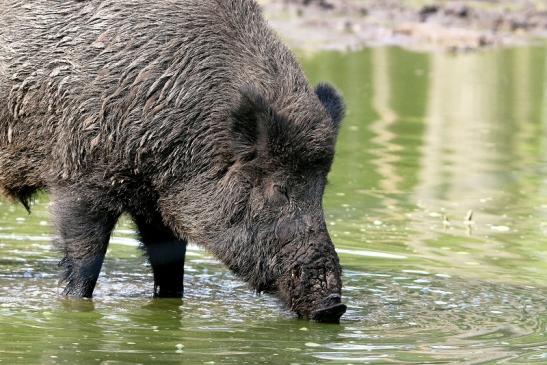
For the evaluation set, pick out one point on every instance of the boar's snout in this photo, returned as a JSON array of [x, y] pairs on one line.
[[330, 310], [311, 284]]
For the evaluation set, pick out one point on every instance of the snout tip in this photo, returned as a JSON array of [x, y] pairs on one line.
[[331, 310], [330, 315]]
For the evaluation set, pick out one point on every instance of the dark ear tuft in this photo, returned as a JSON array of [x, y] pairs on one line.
[[247, 124], [332, 101]]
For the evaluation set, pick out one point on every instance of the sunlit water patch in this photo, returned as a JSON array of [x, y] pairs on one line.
[[437, 203]]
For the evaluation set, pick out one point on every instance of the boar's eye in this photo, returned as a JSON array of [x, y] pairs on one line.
[[279, 194]]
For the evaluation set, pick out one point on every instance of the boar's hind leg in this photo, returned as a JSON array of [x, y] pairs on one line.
[[166, 254], [84, 229]]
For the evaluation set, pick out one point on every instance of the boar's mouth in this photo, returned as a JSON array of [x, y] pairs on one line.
[[330, 311]]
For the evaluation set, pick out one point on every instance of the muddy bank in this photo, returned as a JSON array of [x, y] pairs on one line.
[[424, 25]]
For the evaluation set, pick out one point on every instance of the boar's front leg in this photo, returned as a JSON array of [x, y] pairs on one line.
[[84, 226], [166, 254]]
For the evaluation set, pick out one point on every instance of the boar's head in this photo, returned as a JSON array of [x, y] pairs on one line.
[[262, 214]]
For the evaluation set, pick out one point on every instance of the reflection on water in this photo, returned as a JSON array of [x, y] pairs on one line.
[[428, 138]]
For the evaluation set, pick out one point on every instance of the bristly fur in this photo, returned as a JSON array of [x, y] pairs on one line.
[[192, 117]]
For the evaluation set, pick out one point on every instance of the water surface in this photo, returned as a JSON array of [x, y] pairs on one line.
[[437, 203]]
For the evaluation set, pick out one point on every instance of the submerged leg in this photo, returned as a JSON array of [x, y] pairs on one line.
[[84, 229], [166, 254]]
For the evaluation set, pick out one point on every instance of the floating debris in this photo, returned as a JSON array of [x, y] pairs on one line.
[[446, 222], [468, 222], [500, 228], [469, 218]]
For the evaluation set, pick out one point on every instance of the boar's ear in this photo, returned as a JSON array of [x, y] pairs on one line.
[[333, 103], [249, 123]]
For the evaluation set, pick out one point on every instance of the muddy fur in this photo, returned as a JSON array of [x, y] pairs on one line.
[[191, 117]]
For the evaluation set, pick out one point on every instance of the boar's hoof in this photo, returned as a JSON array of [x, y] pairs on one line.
[[331, 310]]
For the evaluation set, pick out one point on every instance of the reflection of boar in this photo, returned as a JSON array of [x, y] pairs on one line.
[[190, 116]]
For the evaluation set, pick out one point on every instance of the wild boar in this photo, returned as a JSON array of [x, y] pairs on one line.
[[191, 117]]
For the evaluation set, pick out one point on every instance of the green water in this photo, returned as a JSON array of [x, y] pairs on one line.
[[427, 138]]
